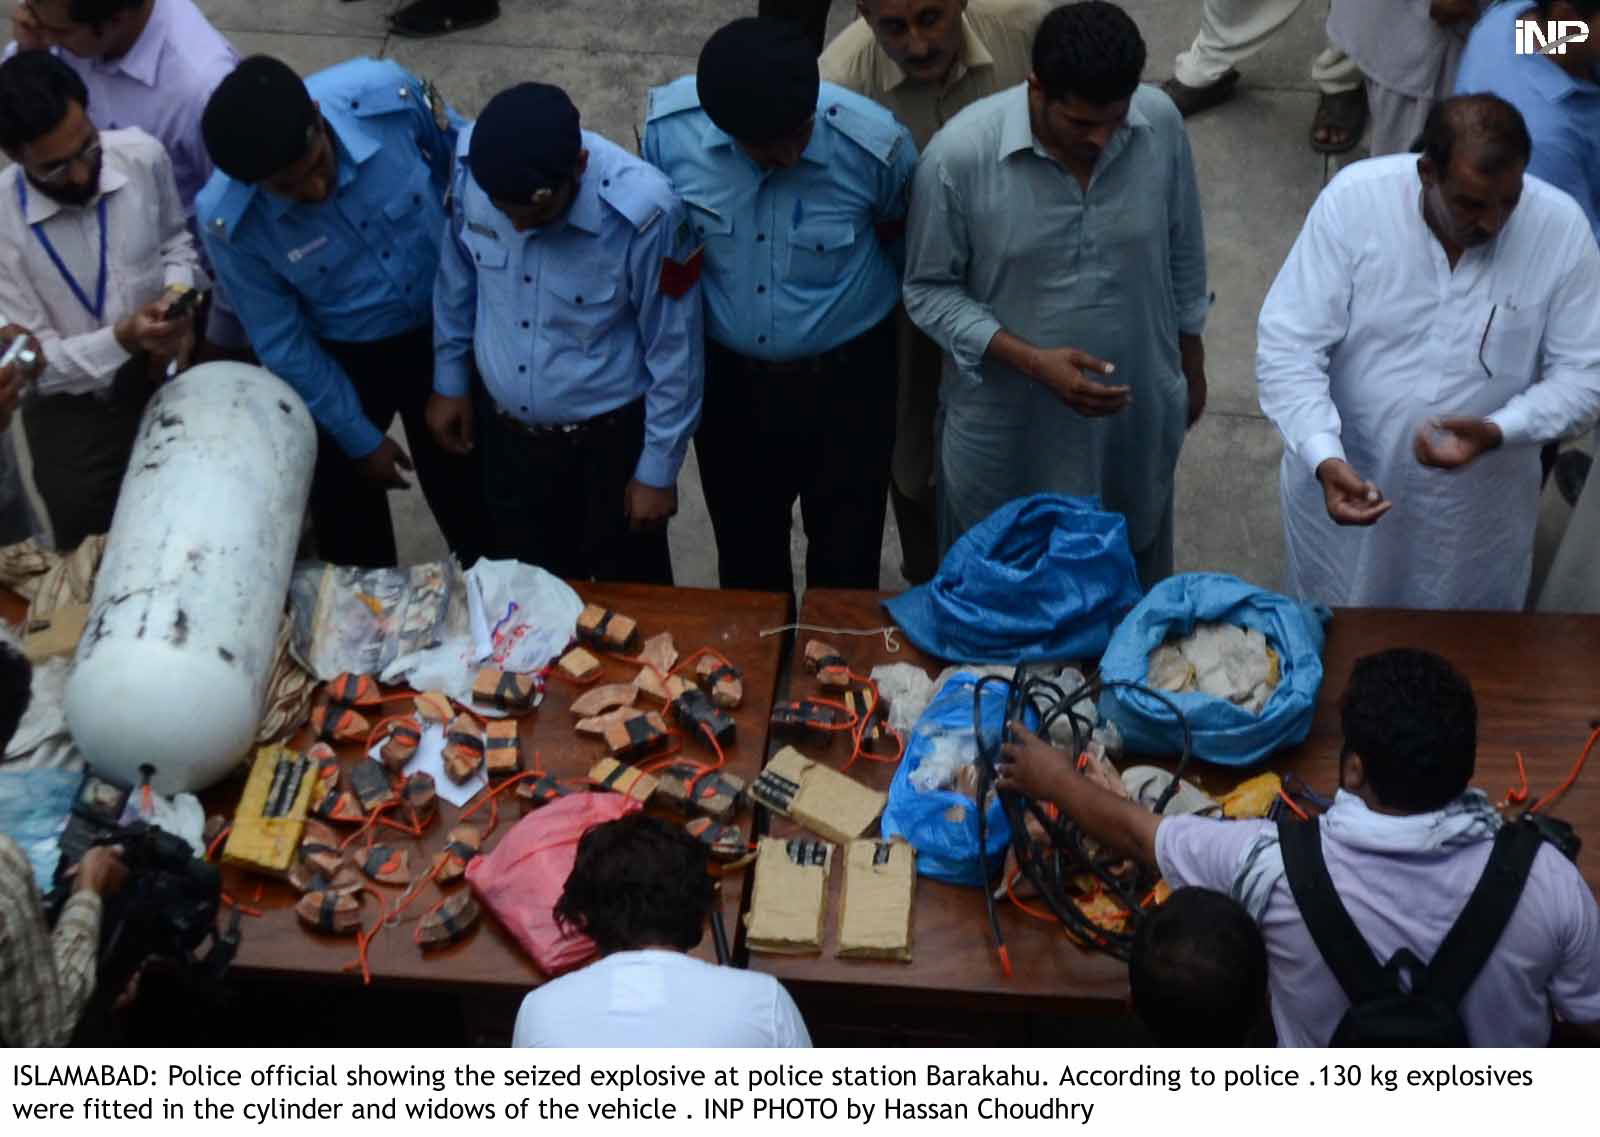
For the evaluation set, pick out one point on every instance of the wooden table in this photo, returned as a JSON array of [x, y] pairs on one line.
[[278, 944], [1534, 680]]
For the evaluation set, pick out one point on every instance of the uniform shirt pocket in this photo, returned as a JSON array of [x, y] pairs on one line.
[[315, 263], [580, 306], [1510, 344], [819, 252]]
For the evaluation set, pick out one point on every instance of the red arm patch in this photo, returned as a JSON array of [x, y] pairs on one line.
[[678, 277]]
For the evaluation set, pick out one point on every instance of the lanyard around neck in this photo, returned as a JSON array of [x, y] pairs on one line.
[[98, 307]]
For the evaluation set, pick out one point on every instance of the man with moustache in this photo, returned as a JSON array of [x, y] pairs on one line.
[[96, 246], [1437, 318], [926, 60], [151, 64]]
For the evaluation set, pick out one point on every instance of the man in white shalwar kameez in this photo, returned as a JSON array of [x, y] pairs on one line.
[[1437, 318]]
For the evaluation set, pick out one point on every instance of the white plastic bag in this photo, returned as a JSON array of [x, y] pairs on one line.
[[519, 618]]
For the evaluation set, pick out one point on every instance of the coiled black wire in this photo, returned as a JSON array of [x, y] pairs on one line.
[[1051, 866]]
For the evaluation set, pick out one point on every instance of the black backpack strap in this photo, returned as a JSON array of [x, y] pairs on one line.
[[1343, 947], [1472, 938]]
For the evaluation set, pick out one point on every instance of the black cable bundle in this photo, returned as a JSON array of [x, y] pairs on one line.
[[1051, 867]]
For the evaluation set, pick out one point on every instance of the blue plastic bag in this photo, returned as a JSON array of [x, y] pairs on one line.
[[34, 805], [1045, 577], [1226, 734], [948, 850]]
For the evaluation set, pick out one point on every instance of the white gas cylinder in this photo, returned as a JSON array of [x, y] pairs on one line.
[[173, 666]]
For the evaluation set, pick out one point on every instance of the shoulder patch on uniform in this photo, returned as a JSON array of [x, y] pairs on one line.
[[679, 95], [879, 137]]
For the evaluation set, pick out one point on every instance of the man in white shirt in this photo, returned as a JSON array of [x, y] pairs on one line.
[[152, 64], [639, 889], [1405, 844], [1437, 318], [96, 240]]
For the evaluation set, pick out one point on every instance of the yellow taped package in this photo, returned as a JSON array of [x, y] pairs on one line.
[[879, 881], [1252, 798], [817, 796], [272, 811], [789, 896]]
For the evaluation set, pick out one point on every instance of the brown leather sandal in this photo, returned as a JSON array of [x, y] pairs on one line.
[[1346, 111]]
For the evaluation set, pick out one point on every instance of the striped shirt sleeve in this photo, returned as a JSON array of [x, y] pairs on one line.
[[46, 977]]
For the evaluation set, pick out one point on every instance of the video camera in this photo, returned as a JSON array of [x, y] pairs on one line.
[[169, 905], [167, 909]]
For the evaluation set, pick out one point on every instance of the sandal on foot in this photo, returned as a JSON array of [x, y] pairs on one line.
[[1346, 111], [1192, 100], [427, 18]]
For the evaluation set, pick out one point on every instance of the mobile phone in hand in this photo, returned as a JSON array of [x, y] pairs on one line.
[[19, 352], [183, 306]]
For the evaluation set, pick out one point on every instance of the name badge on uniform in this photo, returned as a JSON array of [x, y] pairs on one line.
[[482, 230], [305, 250]]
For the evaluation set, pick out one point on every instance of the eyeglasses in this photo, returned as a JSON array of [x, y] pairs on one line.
[[56, 172]]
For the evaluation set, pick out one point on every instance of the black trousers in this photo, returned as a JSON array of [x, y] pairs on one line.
[[350, 514], [811, 16], [556, 498], [80, 446], [820, 430]]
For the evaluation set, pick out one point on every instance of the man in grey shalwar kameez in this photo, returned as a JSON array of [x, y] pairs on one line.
[[1055, 231]]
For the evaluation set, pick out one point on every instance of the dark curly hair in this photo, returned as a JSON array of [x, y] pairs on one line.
[[35, 88], [1092, 50], [1199, 970], [637, 881], [98, 12], [1411, 718]]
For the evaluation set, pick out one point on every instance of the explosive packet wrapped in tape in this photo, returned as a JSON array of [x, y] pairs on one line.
[[607, 630], [715, 793], [503, 750], [789, 896], [879, 883], [505, 690], [609, 774], [818, 797]]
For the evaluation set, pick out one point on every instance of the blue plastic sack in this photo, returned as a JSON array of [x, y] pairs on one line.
[[1045, 577], [948, 850], [34, 805], [1226, 734]]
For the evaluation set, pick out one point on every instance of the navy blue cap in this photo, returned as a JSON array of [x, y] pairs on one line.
[[758, 79], [526, 140]]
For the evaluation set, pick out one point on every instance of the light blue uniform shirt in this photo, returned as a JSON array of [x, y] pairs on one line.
[[573, 320], [794, 263], [355, 268], [1562, 113]]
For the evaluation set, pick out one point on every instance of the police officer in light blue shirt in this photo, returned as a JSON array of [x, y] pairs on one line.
[[797, 190], [323, 220], [566, 273]]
